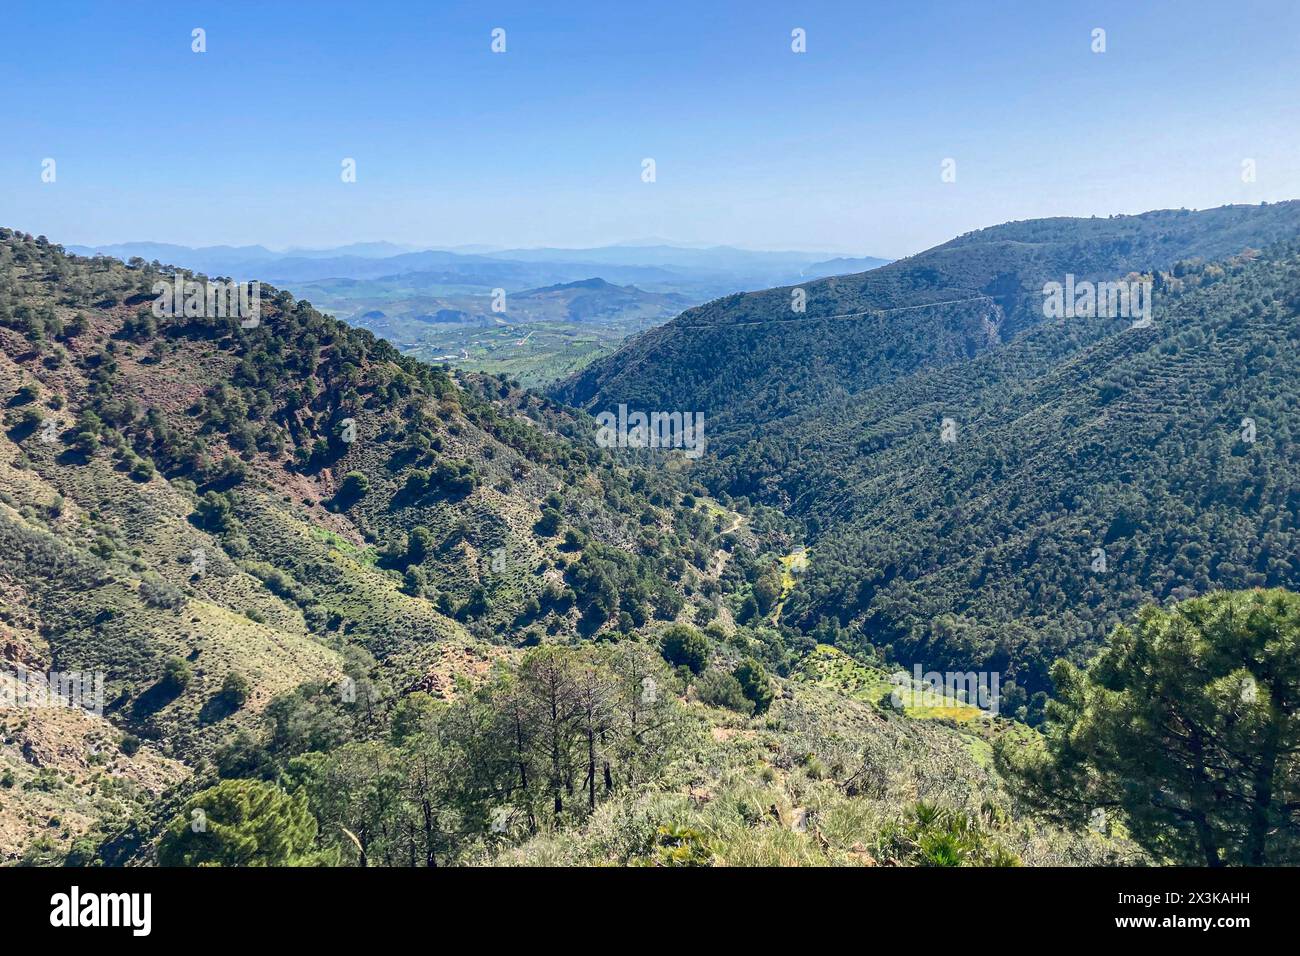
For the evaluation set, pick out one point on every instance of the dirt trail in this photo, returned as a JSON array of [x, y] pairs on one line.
[[721, 555]]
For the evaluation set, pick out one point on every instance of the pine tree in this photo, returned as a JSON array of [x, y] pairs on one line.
[[1186, 724]]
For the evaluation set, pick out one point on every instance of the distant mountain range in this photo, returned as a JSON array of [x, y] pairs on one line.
[[172, 253], [701, 273]]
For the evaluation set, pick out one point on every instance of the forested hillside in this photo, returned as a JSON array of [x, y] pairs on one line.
[[213, 515], [1070, 443], [1145, 465]]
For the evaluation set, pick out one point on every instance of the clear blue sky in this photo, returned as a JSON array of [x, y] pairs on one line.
[[838, 148]]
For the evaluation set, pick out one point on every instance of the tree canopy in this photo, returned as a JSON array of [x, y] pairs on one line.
[[1186, 725]]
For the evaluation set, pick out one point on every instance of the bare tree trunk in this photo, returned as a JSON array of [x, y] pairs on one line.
[[1262, 801], [1207, 842], [427, 809], [591, 770]]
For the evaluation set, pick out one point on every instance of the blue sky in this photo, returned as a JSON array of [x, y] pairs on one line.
[[837, 149]]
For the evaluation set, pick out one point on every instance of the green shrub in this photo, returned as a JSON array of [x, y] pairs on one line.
[[720, 689], [157, 592], [354, 487], [755, 683], [176, 675], [549, 523], [684, 646], [235, 690], [676, 845], [415, 581], [214, 512]]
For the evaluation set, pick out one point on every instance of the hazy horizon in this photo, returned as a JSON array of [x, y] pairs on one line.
[[646, 242], [475, 248]]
